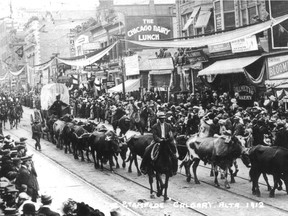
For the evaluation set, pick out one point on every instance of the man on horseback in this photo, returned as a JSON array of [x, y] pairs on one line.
[[162, 132]]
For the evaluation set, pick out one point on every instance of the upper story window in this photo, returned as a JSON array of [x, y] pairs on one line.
[[224, 15], [249, 11]]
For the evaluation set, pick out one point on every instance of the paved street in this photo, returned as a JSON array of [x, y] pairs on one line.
[[64, 178], [57, 180]]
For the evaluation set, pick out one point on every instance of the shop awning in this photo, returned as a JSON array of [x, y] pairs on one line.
[[130, 85], [191, 18], [203, 19], [219, 38], [228, 66]]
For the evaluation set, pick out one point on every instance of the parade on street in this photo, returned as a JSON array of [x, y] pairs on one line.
[[151, 107]]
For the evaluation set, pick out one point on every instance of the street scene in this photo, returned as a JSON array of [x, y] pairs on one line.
[[143, 107]]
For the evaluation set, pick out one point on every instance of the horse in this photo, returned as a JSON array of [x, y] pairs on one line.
[[13, 117], [163, 160], [3, 115]]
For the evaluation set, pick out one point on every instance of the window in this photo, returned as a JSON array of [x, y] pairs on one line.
[[244, 17], [243, 4], [249, 10], [217, 7], [252, 12], [229, 20], [228, 5]]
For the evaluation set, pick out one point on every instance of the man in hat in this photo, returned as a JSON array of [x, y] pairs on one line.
[[162, 132], [29, 209], [28, 176], [36, 133], [57, 106], [45, 210], [21, 151], [238, 126]]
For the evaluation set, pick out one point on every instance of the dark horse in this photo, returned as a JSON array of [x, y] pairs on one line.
[[3, 115], [14, 117], [163, 160]]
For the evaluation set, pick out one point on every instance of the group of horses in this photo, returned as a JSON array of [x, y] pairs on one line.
[[221, 152], [11, 113]]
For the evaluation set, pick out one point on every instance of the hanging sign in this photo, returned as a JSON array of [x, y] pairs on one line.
[[244, 44]]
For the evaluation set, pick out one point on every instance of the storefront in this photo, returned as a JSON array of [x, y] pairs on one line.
[[244, 76], [277, 73]]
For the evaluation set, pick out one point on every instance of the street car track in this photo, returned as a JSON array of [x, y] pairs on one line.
[[170, 198], [100, 190], [229, 191]]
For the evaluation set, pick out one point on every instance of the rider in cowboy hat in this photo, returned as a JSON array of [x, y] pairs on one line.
[[161, 133]]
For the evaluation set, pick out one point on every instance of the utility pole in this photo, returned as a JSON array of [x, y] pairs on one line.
[[56, 62], [121, 62], [122, 67]]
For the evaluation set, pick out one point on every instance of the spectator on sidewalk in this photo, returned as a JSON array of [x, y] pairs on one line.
[[28, 176], [45, 210]]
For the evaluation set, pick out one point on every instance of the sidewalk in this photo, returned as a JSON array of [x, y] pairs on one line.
[[54, 177]]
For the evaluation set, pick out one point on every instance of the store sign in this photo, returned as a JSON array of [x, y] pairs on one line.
[[244, 44], [278, 67], [245, 92], [131, 65], [197, 56], [110, 84], [219, 48], [149, 28]]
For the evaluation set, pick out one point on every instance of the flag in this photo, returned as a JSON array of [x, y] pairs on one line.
[[20, 52]]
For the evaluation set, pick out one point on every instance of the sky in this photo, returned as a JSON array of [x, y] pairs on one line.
[[53, 5]]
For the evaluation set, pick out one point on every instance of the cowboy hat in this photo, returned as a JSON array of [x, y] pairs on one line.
[[161, 115]]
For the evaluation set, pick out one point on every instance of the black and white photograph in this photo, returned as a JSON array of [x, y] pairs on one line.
[[143, 107]]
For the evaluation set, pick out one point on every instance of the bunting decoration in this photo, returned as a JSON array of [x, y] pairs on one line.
[[82, 61], [4, 77], [16, 73]]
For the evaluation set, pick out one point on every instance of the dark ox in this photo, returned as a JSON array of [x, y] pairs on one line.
[[270, 160], [58, 127], [137, 145], [80, 141], [105, 145], [216, 152]]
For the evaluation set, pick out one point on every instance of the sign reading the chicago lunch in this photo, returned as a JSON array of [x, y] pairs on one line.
[[149, 28]]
